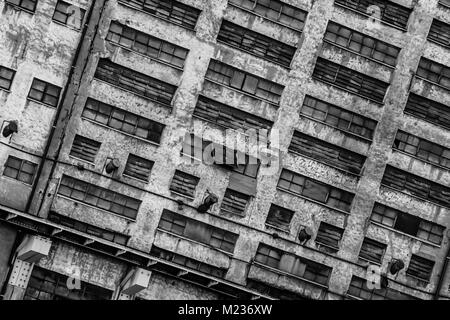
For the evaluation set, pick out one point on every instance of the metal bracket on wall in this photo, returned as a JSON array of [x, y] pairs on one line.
[[21, 273]]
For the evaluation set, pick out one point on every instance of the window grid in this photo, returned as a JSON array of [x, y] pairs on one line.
[[133, 81], [428, 110], [358, 288], [21, 170], [138, 167], [99, 197], [44, 92], [184, 183], [338, 118], [6, 77], [122, 120], [69, 14], [276, 11], [440, 33], [173, 11], [315, 190], [423, 149], [256, 44], [391, 13], [434, 72], [420, 267], [245, 82], [372, 251], [234, 202], [29, 5], [84, 148], [329, 235], [362, 44], [147, 45], [350, 80]]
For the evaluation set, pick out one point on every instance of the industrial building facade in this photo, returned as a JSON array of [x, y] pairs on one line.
[[105, 104]]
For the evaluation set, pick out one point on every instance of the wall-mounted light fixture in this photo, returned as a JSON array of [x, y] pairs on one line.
[[207, 203], [112, 166], [10, 128]]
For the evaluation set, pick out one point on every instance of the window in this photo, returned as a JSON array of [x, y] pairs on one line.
[[48, 285], [275, 10], [147, 45], [184, 183], [416, 186], [122, 120], [271, 291], [228, 117], [256, 44], [391, 13], [434, 72], [188, 262], [327, 153], [173, 11], [6, 77], [234, 202], [198, 231], [292, 264], [138, 167], [423, 149], [420, 267], [229, 76], [315, 190], [372, 251], [440, 33], [445, 3], [19, 169], [84, 148], [279, 217], [29, 5], [69, 14], [44, 92], [408, 223], [341, 119], [329, 236], [109, 235], [428, 110], [99, 197], [133, 81], [358, 288], [350, 80], [361, 44]]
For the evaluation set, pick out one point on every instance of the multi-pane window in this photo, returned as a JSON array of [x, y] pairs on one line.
[[243, 81], [329, 236], [188, 262], [109, 235], [148, 45], [326, 152], [29, 5], [44, 92], [358, 288], [292, 264], [6, 77], [420, 267], [184, 183], [350, 80], [48, 285], [372, 251], [338, 118], [315, 190], [362, 44], [234, 202], [198, 231], [279, 217], [69, 14], [440, 33], [423, 149], [390, 12], [275, 10], [417, 186], [84, 148], [20, 169], [135, 82], [171, 10], [138, 167], [408, 223], [256, 43], [122, 120], [99, 197], [428, 110], [228, 117], [434, 72]]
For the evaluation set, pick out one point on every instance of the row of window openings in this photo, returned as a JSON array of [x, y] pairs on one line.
[[65, 13]]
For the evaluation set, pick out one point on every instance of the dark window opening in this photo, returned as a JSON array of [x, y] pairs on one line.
[[184, 183], [138, 167], [44, 92], [84, 148], [69, 14], [279, 217], [19, 169]]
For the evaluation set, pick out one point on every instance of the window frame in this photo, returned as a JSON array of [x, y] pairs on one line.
[[47, 86], [20, 169]]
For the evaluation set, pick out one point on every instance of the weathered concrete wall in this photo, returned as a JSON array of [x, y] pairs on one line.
[[7, 239]]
